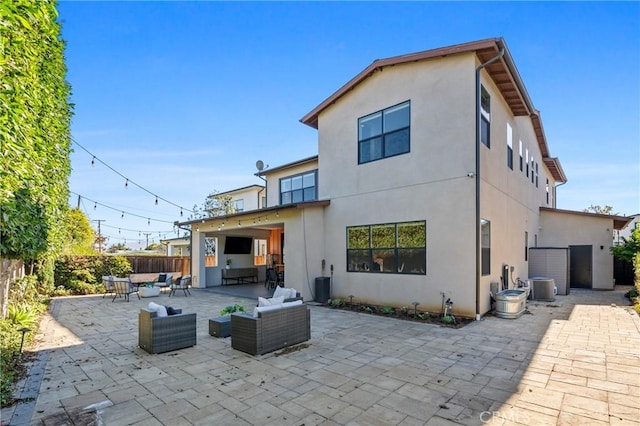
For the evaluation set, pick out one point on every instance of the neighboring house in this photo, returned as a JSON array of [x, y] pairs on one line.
[[433, 179], [625, 233], [250, 197], [177, 246]]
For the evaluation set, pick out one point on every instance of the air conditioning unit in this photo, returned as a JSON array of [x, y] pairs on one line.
[[542, 289]]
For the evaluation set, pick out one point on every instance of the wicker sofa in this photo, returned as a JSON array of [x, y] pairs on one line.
[[163, 334], [272, 329]]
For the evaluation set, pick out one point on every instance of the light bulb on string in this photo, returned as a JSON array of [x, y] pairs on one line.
[[148, 221], [126, 184], [180, 211], [95, 206], [156, 200], [122, 217], [93, 161], [119, 231]]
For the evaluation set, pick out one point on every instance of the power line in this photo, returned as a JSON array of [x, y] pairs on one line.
[[97, 203], [128, 180]]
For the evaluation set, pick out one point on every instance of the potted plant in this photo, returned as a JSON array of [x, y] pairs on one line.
[[228, 310], [228, 263], [148, 290]]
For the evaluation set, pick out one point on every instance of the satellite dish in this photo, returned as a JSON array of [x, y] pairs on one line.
[[259, 165]]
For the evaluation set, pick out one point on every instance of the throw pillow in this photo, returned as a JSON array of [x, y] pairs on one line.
[[162, 278], [270, 302], [160, 310], [281, 291], [170, 310]]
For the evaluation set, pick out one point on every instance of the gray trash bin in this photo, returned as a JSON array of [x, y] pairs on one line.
[[323, 289]]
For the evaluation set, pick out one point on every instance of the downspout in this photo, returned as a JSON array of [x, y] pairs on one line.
[[555, 193], [264, 179], [478, 124], [177, 225]]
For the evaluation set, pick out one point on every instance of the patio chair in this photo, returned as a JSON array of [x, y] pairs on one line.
[[124, 287], [107, 281], [163, 334], [273, 280], [183, 284]]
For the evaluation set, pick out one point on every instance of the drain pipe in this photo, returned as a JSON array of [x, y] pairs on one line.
[[478, 121], [177, 225]]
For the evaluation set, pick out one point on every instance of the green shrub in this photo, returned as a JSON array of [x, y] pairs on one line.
[[388, 310], [22, 316], [336, 302], [228, 310], [448, 319]]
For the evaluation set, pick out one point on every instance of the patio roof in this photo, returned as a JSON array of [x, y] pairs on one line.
[[619, 222]]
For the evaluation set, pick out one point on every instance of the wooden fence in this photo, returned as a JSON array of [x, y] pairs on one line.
[[11, 270], [149, 264]]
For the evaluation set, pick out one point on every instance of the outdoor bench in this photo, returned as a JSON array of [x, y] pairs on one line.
[[240, 275]]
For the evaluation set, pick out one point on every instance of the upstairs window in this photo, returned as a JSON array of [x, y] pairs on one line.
[[527, 158], [509, 147], [485, 117], [298, 188], [239, 205], [547, 191], [384, 133], [521, 159]]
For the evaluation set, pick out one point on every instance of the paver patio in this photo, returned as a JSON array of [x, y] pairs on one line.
[[572, 361]]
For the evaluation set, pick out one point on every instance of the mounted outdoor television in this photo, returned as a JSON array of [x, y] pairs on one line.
[[238, 245]]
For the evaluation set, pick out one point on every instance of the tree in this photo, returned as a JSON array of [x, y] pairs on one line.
[[79, 236], [595, 208], [629, 248], [214, 205], [118, 247]]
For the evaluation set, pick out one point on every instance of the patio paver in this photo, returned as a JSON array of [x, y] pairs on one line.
[[573, 361]]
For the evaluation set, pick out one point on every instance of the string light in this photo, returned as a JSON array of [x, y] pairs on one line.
[[126, 184], [149, 221], [94, 159], [122, 217], [180, 211], [96, 203], [95, 206]]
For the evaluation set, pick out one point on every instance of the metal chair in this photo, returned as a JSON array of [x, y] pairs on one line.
[[273, 280], [124, 288], [181, 284], [107, 281]]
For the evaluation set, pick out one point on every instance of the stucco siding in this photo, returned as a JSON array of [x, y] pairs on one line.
[[441, 93], [565, 230]]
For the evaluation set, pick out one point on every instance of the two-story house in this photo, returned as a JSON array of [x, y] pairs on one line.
[[433, 179]]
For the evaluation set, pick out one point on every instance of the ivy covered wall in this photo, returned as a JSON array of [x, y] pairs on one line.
[[35, 139]]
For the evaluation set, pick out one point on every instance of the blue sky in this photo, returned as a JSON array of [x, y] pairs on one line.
[[183, 97]]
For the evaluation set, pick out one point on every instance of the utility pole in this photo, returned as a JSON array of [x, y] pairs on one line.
[[99, 233], [146, 234]]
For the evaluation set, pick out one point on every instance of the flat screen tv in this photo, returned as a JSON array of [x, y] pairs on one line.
[[238, 245]]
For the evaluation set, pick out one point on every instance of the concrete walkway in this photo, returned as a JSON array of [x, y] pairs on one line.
[[572, 361]]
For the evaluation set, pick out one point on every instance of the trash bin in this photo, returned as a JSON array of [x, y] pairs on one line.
[[323, 289]]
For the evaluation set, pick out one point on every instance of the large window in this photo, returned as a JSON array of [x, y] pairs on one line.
[[485, 117], [384, 133], [298, 188], [485, 243], [399, 248]]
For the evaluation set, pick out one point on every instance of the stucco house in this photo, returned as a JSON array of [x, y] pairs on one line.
[[433, 179]]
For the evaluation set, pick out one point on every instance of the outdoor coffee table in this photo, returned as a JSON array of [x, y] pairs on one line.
[[220, 326]]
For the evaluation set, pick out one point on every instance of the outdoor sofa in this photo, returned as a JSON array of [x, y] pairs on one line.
[[275, 327], [162, 334]]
